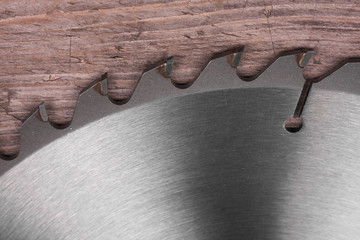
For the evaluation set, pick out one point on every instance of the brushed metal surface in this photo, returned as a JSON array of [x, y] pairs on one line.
[[213, 165]]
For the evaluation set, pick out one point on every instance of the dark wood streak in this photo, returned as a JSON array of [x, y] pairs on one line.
[[51, 51]]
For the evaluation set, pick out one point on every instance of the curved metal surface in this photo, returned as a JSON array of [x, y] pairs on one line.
[[215, 165]]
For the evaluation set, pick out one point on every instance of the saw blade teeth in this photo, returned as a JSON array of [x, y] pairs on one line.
[[166, 68], [322, 65], [102, 87], [234, 59], [303, 59], [121, 86], [10, 136], [254, 61], [43, 113], [187, 69]]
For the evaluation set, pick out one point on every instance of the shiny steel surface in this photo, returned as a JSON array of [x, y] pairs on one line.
[[212, 165]]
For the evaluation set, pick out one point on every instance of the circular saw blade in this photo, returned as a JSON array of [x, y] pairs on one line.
[[212, 165]]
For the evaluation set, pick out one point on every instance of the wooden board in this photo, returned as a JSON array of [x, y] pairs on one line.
[[51, 51]]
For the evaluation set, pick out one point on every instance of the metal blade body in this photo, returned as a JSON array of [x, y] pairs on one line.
[[212, 165]]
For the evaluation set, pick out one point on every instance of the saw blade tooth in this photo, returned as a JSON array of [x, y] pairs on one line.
[[166, 68], [102, 87], [43, 113], [303, 59], [255, 60], [234, 59]]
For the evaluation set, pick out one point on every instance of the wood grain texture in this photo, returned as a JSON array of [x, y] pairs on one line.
[[51, 51]]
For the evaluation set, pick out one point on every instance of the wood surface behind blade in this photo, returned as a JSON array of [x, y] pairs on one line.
[[51, 51]]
